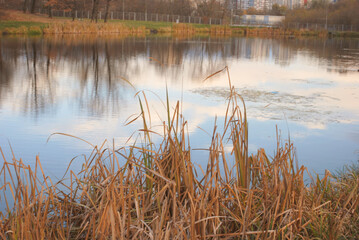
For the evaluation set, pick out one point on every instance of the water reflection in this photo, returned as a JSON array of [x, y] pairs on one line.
[[85, 85], [99, 67]]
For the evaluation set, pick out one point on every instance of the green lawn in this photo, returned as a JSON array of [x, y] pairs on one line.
[[16, 24], [153, 25], [128, 23], [147, 25]]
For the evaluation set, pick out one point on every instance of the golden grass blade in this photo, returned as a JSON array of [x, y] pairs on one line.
[[69, 135]]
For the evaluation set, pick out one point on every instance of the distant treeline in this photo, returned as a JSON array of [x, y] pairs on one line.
[[320, 11], [212, 8], [316, 11]]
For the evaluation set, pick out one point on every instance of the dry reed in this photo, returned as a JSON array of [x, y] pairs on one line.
[[90, 27], [182, 28], [220, 30], [152, 191]]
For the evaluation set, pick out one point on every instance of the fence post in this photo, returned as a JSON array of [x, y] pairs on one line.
[[231, 17], [189, 19], [157, 17], [111, 15], [210, 21], [63, 13], [342, 27], [146, 16], [76, 14], [134, 16], [168, 17]]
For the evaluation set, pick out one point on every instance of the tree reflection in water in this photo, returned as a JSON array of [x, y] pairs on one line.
[[95, 67], [84, 85]]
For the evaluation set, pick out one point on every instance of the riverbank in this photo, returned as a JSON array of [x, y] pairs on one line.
[[16, 23], [155, 190]]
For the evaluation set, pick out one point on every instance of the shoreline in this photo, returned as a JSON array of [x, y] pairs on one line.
[[42, 25]]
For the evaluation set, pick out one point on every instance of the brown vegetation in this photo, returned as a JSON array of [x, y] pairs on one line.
[[342, 12], [93, 28], [177, 7], [153, 191], [13, 15], [181, 28], [220, 30]]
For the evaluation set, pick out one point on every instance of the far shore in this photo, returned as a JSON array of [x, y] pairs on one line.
[[17, 23]]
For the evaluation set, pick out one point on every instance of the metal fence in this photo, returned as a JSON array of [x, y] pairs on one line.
[[135, 16], [305, 26], [233, 20]]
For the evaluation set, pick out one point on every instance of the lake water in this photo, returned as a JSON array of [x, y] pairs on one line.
[[85, 86]]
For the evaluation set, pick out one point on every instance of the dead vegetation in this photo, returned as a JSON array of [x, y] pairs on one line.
[[152, 191]]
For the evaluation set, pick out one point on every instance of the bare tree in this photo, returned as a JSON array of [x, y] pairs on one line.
[[25, 6], [94, 15], [74, 10], [33, 5], [107, 8], [49, 7]]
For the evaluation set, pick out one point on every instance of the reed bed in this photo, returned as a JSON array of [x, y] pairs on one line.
[[153, 191], [90, 27], [189, 29], [182, 28], [220, 30], [87, 27], [32, 30]]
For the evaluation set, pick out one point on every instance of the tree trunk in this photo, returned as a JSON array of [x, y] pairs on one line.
[[49, 8], [33, 5], [95, 10], [26, 3], [50, 12], [74, 10], [107, 8]]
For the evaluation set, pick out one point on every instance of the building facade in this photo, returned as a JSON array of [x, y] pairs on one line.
[[266, 4]]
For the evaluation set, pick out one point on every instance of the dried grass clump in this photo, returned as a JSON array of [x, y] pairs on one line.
[[181, 28], [220, 30], [90, 27], [35, 30], [18, 30], [165, 30], [152, 191]]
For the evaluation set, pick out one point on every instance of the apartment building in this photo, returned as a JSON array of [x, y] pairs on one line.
[[266, 4]]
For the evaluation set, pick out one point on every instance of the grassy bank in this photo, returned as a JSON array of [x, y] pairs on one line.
[[126, 27], [118, 27], [16, 22], [152, 190]]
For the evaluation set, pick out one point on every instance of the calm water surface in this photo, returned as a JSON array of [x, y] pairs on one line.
[[86, 87]]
